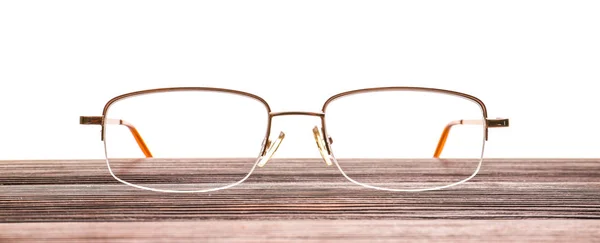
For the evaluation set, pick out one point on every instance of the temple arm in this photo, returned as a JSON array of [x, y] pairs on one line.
[[446, 132], [98, 120]]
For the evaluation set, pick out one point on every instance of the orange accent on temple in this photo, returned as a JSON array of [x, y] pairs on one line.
[[138, 138], [444, 137], [98, 120], [490, 123]]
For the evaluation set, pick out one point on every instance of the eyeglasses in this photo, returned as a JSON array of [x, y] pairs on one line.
[[198, 139]]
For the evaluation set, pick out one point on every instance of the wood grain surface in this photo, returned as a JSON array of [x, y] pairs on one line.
[[302, 199]]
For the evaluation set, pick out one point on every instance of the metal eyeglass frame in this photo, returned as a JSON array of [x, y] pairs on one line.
[[321, 136]]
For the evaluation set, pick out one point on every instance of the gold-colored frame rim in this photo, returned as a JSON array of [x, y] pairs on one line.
[[107, 106], [399, 88], [321, 114], [417, 89], [180, 89]]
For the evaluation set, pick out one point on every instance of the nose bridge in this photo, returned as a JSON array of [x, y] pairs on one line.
[[321, 115], [297, 113], [318, 134]]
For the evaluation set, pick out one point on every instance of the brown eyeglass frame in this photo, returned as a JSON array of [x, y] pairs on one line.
[[323, 142]]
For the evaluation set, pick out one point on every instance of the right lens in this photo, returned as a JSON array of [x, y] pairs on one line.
[[387, 138], [198, 140]]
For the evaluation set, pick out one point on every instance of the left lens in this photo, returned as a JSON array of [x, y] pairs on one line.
[[198, 140]]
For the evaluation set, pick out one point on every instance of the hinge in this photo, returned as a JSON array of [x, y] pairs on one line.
[[498, 122], [90, 120]]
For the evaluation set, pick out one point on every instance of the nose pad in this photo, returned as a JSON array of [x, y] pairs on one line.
[[322, 149], [271, 149]]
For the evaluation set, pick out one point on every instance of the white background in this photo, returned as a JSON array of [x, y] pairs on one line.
[[536, 62]]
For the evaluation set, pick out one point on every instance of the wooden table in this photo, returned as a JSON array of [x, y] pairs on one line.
[[301, 199]]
